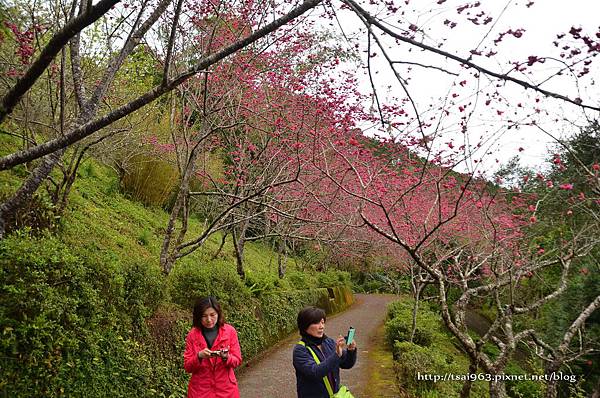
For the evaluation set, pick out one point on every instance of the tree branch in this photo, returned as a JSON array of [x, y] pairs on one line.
[[56, 43], [81, 132]]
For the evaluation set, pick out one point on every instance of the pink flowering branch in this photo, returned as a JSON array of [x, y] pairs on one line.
[[56, 43], [370, 20]]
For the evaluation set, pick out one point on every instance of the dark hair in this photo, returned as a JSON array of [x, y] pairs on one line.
[[308, 316], [202, 305]]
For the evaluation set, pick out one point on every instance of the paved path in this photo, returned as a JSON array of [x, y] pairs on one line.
[[273, 376]]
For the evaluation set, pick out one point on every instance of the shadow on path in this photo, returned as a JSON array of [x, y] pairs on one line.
[[273, 375]]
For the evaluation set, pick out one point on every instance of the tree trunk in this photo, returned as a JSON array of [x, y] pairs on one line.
[[281, 259], [223, 239], [551, 389], [28, 188], [63, 199], [167, 253], [497, 389], [239, 241], [551, 385], [415, 311], [465, 392], [563, 348]]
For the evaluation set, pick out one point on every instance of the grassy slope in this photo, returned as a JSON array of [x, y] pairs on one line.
[[101, 222], [102, 226]]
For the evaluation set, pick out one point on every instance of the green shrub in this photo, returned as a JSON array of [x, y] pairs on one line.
[[144, 237], [65, 322], [49, 313], [332, 278], [398, 327], [189, 281], [38, 214], [46, 297], [112, 187], [371, 286], [433, 352], [384, 281], [260, 321], [143, 291], [251, 332], [279, 309], [301, 280], [426, 354], [522, 388], [414, 360], [260, 282], [87, 169], [264, 321]]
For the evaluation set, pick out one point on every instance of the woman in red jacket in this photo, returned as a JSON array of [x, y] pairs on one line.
[[212, 351]]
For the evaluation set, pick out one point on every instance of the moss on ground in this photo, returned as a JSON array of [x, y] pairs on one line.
[[382, 377]]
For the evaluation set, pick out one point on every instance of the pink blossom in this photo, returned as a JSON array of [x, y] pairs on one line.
[[566, 187]]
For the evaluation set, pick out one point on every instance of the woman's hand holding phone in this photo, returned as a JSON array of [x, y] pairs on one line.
[[339, 346], [224, 353], [204, 354]]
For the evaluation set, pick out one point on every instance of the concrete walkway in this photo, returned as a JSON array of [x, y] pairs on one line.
[[273, 376]]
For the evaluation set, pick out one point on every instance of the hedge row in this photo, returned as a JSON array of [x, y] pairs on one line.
[[434, 351], [100, 326]]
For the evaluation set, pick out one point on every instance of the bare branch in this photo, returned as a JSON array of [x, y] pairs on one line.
[[89, 128], [374, 21], [56, 43]]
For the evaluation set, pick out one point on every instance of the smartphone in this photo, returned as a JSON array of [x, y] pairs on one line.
[[220, 352], [350, 335]]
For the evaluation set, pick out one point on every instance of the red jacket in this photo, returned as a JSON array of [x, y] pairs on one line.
[[212, 377]]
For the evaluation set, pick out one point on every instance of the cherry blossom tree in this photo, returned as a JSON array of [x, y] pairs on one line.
[[140, 20], [295, 144]]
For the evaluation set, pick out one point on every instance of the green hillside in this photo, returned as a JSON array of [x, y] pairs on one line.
[[86, 310]]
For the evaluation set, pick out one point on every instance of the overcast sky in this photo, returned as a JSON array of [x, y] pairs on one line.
[[541, 20]]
